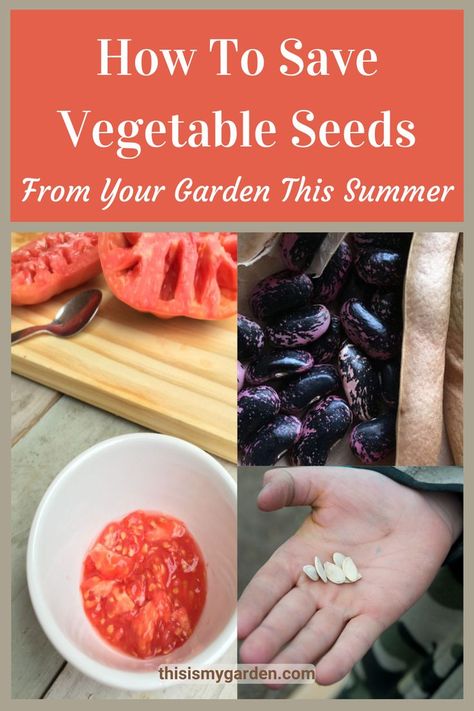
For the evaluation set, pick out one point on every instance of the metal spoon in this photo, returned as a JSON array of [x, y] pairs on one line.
[[71, 318]]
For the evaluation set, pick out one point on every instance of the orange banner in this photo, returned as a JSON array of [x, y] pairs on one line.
[[251, 115]]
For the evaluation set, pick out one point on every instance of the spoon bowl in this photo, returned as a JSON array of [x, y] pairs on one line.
[[71, 318]]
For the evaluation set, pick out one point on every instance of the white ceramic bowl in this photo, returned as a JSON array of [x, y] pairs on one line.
[[136, 471]]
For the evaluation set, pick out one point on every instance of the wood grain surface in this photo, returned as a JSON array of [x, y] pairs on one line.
[[174, 376]]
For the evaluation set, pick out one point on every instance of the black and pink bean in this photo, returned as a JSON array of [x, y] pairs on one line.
[[323, 353]]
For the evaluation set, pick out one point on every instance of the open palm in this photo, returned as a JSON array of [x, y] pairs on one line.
[[398, 539]]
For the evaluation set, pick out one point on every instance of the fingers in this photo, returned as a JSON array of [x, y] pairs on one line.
[[272, 581], [281, 624], [354, 641], [294, 486], [314, 640]]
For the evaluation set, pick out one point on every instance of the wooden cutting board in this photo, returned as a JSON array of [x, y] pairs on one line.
[[174, 376]]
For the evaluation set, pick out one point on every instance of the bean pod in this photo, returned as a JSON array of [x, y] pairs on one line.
[[299, 327], [278, 364], [360, 381], [367, 331], [278, 293], [374, 440], [272, 441], [324, 425], [308, 388], [255, 407], [250, 338]]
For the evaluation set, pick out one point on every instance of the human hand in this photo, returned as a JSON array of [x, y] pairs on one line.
[[397, 537]]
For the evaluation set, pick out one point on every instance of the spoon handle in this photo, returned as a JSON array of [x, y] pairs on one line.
[[24, 333]]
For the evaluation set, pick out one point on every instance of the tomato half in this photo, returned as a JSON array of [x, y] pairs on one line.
[[173, 273], [52, 264]]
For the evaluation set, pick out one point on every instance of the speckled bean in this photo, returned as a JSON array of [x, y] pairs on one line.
[[382, 267], [324, 425], [240, 376], [360, 381], [308, 388], [388, 240], [390, 381], [255, 407], [280, 293], [298, 249], [376, 338], [374, 440], [387, 305], [328, 285], [250, 338], [326, 347], [299, 327], [355, 288], [271, 441], [278, 364]]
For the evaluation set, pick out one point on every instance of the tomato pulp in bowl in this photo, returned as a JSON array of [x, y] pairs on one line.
[[144, 584], [134, 472]]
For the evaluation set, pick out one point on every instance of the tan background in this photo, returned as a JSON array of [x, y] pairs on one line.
[[7, 227]]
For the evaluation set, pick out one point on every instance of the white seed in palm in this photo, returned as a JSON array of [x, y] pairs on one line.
[[350, 570], [338, 559], [320, 569], [334, 573], [310, 571]]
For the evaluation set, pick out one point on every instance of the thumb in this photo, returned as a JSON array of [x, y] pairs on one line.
[[293, 486]]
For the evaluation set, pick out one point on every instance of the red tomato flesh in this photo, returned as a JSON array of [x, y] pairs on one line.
[[51, 264], [173, 273], [144, 584]]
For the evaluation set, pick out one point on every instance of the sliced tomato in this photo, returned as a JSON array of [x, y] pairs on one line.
[[173, 273], [51, 264]]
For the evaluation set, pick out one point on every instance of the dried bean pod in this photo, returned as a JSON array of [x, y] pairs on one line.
[[250, 338], [240, 375], [271, 441], [382, 267], [390, 381], [328, 285], [324, 425], [387, 305], [299, 327], [298, 249], [255, 407], [367, 331], [278, 364], [280, 292], [308, 388], [360, 381], [325, 349], [374, 440], [387, 240]]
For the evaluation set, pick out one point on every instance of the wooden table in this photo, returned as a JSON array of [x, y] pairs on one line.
[[48, 430]]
